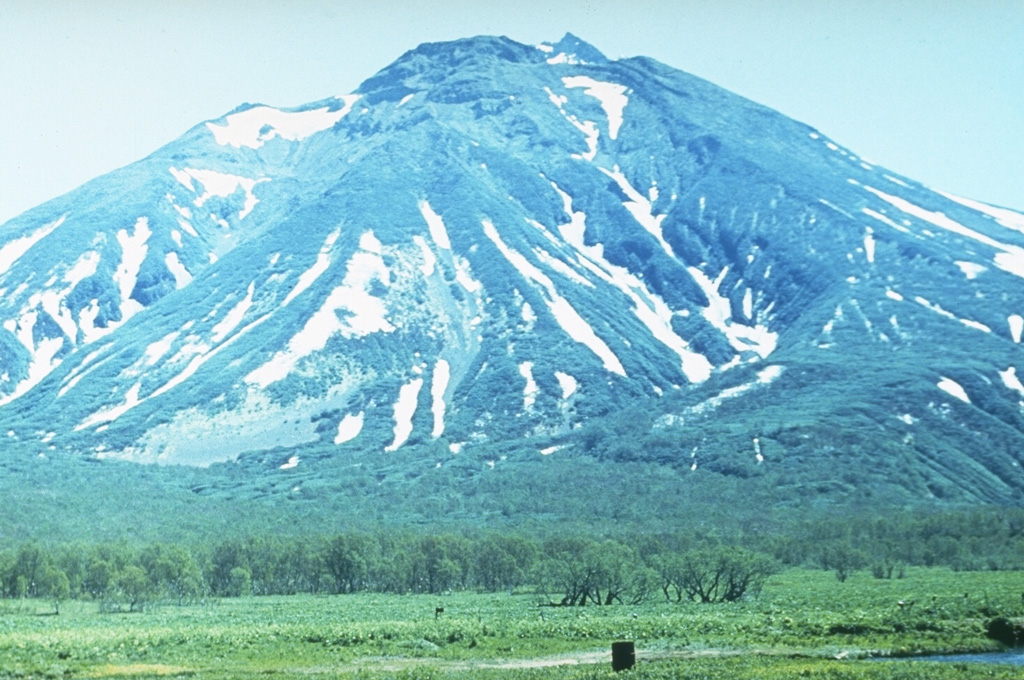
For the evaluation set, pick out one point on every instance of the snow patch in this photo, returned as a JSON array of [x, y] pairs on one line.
[[611, 96], [181, 275], [530, 390], [133, 252], [719, 314], [1011, 380], [323, 261], [438, 232], [568, 384], [565, 315], [44, 360], [971, 269], [258, 125], [1007, 218], [438, 385], [233, 317], [158, 349], [12, 251], [561, 267], [869, 246], [108, 415], [954, 389], [405, 408], [429, 259], [587, 127], [1016, 322], [769, 374], [465, 278], [221, 185], [639, 206], [884, 220], [367, 314], [949, 315], [349, 428]]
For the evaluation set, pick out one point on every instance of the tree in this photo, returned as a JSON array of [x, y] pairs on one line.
[[717, 574], [240, 582], [565, 569], [226, 558], [350, 559], [54, 584], [100, 577], [444, 562], [585, 571], [842, 558], [172, 570], [27, 569], [503, 562], [134, 584]]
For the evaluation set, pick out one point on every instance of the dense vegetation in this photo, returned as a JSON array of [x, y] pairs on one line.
[[694, 565]]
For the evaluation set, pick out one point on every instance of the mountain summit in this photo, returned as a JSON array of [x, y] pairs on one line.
[[535, 250]]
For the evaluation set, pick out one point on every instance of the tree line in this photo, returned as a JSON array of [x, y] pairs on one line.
[[565, 571], [703, 564]]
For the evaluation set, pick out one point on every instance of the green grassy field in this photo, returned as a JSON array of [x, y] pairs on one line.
[[804, 624]]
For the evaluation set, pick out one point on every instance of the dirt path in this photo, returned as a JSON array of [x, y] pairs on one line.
[[394, 664]]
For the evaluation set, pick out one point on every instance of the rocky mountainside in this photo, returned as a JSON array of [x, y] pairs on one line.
[[493, 249]]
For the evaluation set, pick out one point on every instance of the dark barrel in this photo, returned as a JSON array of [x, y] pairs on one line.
[[623, 656]]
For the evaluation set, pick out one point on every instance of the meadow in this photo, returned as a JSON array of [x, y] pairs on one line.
[[804, 623]]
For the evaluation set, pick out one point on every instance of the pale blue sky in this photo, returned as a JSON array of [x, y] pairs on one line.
[[931, 89]]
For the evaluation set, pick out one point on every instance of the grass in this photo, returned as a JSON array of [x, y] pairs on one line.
[[800, 624]]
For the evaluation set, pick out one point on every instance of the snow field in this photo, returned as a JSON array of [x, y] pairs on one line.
[[1009, 259], [13, 250], [438, 232], [719, 314], [181, 275], [254, 127], [367, 314], [133, 252], [219, 184]]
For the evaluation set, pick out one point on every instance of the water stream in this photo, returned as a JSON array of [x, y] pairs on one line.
[[1013, 658]]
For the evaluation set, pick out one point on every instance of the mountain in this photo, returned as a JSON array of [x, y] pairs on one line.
[[495, 255]]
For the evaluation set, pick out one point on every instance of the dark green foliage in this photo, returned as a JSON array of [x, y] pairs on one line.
[[716, 574]]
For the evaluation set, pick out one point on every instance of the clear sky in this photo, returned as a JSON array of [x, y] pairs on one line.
[[932, 89]]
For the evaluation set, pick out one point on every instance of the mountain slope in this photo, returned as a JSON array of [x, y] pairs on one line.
[[491, 246]]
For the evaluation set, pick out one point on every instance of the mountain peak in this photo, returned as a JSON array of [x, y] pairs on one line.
[[575, 50]]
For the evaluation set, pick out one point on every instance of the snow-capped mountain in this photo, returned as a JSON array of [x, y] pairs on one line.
[[491, 242]]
